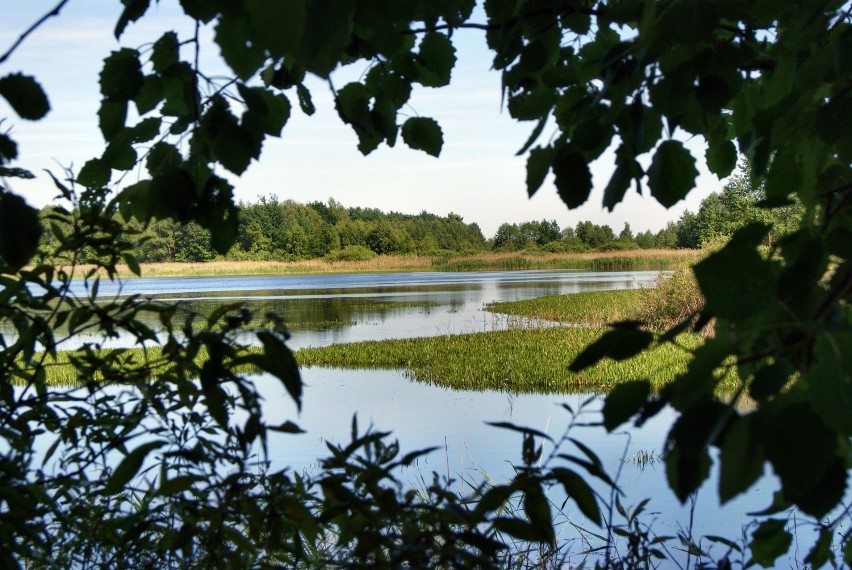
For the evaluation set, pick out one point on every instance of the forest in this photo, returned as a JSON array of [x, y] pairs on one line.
[[283, 230]]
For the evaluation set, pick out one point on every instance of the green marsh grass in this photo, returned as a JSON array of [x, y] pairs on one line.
[[590, 308], [515, 360]]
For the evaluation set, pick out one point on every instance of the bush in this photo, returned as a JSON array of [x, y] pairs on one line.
[[351, 253], [674, 299], [571, 245]]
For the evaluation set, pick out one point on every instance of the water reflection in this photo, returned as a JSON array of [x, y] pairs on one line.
[[327, 309]]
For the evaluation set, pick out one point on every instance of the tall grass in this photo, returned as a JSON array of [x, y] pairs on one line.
[[485, 261]]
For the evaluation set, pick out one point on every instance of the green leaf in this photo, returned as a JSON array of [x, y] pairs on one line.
[[803, 453], [769, 380], [422, 133], [25, 96], [727, 296], [572, 176], [165, 52], [129, 467], [618, 344], [687, 458], [121, 76], [278, 360], [435, 60], [721, 158], [625, 401], [672, 173], [133, 10], [111, 117], [827, 381], [770, 541], [241, 55], [741, 459], [204, 10], [538, 512], [305, 101], [150, 95], [519, 529], [132, 264], [273, 109], [577, 488], [280, 26], [327, 34], [618, 183], [20, 230], [538, 165], [94, 174]]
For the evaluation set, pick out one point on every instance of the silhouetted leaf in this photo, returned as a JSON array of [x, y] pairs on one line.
[[721, 158], [624, 401], [24, 95], [573, 179], [801, 449], [731, 298], [129, 467], [741, 459], [435, 60], [580, 491], [672, 173], [538, 165], [421, 133], [133, 10], [618, 344], [121, 76], [111, 117], [770, 541], [278, 360], [20, 230]]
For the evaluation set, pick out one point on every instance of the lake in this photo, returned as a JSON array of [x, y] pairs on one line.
[[329, 309]]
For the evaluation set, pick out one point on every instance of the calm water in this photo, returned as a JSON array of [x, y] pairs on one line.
[[342, 308]]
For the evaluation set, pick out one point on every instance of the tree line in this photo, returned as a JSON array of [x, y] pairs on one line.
[[272, 229]]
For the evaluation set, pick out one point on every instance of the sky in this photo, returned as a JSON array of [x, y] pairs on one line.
[[477, 175]]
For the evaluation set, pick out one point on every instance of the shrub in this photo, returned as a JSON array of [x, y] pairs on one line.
[[351, 253]]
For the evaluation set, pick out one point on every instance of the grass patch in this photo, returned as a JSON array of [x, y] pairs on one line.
[[516, 360], [590, 308]]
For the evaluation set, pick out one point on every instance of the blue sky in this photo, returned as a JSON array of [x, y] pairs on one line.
[[477, 176]]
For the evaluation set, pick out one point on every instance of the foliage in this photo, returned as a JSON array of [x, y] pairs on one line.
[[351, 253], [740, 203], [764, 79]]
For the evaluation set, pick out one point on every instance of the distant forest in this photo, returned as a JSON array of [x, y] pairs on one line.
[[286, 230]]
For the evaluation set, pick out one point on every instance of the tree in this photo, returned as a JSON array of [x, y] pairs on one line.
[[763, 79]]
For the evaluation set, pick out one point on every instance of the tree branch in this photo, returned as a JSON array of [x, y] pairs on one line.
[[54, 12]]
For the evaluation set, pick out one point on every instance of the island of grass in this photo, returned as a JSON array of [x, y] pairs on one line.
[[524, 359]]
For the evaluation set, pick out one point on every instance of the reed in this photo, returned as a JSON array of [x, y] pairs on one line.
[[486, 261]]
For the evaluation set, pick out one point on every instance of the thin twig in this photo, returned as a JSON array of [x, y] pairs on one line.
[[31, 29]]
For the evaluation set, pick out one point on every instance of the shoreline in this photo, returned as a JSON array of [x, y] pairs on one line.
[[601, 261]]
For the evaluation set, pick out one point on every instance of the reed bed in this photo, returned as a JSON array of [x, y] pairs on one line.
[[590, 308], [515, 360], [638, 259]]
